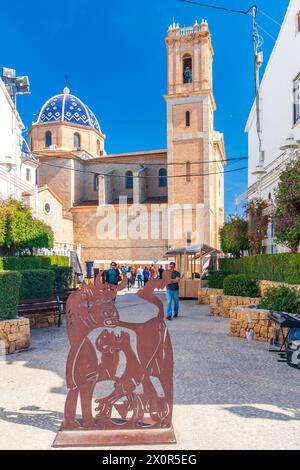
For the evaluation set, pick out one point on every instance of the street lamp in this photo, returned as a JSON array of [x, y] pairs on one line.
[[260, 170], [290, 146], [8, 163]]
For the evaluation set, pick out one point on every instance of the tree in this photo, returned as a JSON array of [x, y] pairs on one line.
[[287, 201], [234, 236], [258, 224], [19, 231]]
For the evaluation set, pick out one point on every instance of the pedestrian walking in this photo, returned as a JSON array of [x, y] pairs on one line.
[[112, 275], [140, 277], [152, 272], [173, 293], [129, 278], [146, 275], [160, 272]]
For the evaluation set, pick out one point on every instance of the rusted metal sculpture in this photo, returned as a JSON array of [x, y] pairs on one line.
[[134, 359]]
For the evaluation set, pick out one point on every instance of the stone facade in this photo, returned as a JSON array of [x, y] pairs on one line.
[[222, 305], [42, 320], [204, 294], [14, 335], [265, 285], [243, 319]]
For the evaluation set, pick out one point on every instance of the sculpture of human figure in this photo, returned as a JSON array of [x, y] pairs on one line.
[[187, 74]]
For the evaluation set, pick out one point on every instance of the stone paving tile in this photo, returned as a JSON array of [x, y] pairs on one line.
[[229, 394]]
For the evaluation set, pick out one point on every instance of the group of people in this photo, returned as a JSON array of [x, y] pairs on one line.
[[135, 275], [114, 275]]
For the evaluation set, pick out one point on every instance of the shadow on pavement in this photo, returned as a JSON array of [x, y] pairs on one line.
[[253, 412], [33, 416]]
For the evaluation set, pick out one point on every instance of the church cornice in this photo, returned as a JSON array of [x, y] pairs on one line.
[[65, 124]]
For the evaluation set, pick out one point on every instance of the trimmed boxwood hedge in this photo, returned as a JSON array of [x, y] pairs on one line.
[[281, 299], [54, 260], [281, 267], [63, 277], [240, 285], [19, 263], [37, 283], [216, 278], [9, 294]]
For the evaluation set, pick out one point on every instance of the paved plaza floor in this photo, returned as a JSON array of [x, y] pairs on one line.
[[229, 394]]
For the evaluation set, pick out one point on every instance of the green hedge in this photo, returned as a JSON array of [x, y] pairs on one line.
[[283, 267], [240, 285], [280, 299], [9, 294], [37, 283], [63, 277], [54, 260], [20, 263], [216, 278]]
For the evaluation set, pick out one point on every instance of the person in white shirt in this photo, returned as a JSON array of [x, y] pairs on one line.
[[139, 274]]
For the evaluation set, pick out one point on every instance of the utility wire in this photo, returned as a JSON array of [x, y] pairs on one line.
[[266, 32], [235, 159], [146, 176], [269, 17], [215, 7]]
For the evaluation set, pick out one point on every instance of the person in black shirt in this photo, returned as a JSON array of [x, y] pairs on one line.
[[173, 293], [160, 272]]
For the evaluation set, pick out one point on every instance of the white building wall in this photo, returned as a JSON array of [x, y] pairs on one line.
[[277, 112], [13, 182]]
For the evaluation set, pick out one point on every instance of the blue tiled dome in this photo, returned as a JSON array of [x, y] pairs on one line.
[[67, 108], [25, 151]]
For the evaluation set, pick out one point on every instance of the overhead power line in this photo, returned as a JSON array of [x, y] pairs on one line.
[[146, 176], [216, 7], [266, 32], [234, 159], [269, 17]]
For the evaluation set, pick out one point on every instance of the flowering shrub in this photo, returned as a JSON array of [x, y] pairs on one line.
[[258, 224], [287, 200]]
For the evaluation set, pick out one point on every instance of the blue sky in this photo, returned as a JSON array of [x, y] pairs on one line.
[[114, 55]]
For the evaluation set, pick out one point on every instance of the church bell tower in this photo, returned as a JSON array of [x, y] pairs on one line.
[[192, 141]]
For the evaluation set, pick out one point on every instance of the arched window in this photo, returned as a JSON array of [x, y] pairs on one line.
[[162, 177], [188, 172], [187, 67], [129, 180], [98, 147], [48, 139], [187, 119], [31, 144], [76, 141]]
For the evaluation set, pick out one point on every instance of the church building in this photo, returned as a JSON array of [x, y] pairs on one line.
[[134, 207]]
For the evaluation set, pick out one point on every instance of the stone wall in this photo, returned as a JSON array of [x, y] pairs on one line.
[[247, 319], [205, 293], [264, 285], [14, 335], [42, 320], [221, 305]]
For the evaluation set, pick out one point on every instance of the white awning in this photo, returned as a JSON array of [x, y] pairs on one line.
[[144, 261], [164, 262]]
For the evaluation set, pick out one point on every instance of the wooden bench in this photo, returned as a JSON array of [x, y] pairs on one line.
[[46, 306]]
